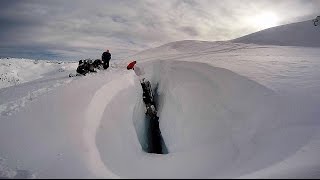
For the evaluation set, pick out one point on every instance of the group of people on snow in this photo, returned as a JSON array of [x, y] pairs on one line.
[[148, 97], [88, 65]]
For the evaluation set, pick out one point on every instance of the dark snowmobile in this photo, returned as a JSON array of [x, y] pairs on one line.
[[86, 66]]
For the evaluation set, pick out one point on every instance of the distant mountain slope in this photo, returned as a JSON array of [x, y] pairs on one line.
[[16, 71], [296, 34]]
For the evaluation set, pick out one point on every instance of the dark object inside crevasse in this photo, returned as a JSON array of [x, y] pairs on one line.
[[154, 138]]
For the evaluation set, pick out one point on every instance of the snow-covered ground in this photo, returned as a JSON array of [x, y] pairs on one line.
[[227, 110], [23, 80]]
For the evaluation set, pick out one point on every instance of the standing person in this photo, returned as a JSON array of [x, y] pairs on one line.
[[106, 56], [316, 21]]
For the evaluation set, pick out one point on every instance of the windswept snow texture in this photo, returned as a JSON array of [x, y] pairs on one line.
[[227, 110]]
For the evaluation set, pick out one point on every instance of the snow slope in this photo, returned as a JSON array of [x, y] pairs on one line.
[[297, 34], [283, 69], [227, 110]]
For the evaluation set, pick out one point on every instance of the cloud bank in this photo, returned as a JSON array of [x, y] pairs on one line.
[[76, 29]]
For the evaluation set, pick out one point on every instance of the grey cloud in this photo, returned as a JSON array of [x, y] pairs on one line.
[[191, 31], [78, 28], [118, 19]]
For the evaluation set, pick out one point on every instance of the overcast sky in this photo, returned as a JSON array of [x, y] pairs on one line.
[[75, 29]]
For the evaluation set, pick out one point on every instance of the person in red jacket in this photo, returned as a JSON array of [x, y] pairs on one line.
[[148, 97], [154, 139]]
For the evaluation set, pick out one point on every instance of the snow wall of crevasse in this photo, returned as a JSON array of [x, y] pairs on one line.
[[214, 122]]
